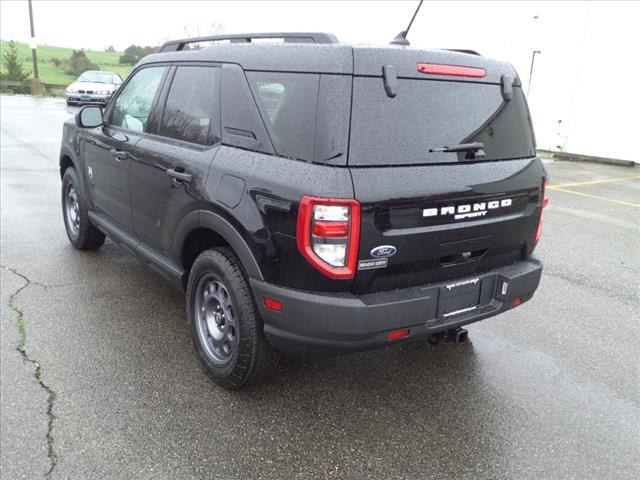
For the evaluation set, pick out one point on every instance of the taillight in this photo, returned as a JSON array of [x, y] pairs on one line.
[[451, 70], [543, 204], [328, 233]]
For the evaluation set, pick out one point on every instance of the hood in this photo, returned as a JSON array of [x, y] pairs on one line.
[[95, 87]]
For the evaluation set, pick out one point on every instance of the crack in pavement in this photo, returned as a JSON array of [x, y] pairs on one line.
[[21, 348]]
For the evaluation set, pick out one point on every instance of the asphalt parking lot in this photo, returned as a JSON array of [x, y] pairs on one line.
[[98, 377]]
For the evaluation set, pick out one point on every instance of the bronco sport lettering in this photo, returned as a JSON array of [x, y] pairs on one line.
[[463, 211]]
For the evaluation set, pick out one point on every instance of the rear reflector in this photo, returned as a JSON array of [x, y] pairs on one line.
[[272, 304], [515, 303], [398, 334], [451, 70]]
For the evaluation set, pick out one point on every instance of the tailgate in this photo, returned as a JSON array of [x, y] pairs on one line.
[[446, 214], [444, 221]]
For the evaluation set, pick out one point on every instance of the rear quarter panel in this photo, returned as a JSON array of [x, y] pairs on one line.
[[259, 194]]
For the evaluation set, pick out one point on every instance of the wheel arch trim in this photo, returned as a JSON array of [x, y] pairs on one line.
[[220, 225], [65, 151]]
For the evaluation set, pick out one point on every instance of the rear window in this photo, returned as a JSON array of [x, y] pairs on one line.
[[288, 104], [430, 114]]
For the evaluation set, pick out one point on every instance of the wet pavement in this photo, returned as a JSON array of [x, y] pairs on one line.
[[99, 380]]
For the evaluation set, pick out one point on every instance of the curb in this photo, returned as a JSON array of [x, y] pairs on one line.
[[576, 157]]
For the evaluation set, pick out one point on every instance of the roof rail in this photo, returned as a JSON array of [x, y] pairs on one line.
[[299, 37]]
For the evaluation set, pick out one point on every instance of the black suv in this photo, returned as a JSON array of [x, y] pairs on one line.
[[313, 197]]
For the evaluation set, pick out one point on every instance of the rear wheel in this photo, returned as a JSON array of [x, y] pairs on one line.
[[75, 211], [224, 324]]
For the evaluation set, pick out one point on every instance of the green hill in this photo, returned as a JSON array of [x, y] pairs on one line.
[[51, 74]]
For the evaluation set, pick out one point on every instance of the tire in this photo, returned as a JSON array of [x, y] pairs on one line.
[[224, 324], [75, 213], [70, 104]]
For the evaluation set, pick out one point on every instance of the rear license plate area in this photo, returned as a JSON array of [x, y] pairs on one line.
[[459, 297]]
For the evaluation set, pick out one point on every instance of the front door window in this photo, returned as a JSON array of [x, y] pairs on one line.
[[133, 106]]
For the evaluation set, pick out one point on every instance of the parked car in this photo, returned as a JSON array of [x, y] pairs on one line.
[[313, 197], [93, 86]]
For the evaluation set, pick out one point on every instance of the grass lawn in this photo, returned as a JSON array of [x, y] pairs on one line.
[[51, 74]]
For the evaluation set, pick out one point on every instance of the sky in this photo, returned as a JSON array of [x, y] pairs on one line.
[[439, 24], [582, 43]]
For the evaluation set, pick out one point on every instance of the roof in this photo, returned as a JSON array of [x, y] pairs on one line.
[[322, 53]]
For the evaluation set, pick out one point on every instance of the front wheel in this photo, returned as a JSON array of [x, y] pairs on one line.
[[224, 324], [75, 212]]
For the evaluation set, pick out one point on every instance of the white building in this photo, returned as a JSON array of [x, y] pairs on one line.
[[584, 96]]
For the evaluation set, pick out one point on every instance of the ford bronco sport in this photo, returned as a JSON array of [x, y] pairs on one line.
[[313, 197]]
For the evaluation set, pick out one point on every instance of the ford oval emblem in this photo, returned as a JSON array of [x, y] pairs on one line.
[[383, 251]]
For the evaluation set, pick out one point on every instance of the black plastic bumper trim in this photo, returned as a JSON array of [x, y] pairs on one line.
[[330, 324]]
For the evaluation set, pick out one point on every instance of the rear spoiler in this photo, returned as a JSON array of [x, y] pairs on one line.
[[470, 52]]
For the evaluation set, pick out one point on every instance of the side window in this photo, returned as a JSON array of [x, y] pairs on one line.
[[288, 101], [271, 95], [133, 105], [192, 106]]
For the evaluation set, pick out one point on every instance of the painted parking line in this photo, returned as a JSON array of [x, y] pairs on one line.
[[597, 197], [593, 182], [563, 188]]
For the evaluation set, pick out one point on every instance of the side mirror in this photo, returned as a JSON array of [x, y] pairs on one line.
[[89, 116]]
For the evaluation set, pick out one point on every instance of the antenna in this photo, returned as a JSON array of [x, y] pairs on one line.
[[401, 38]]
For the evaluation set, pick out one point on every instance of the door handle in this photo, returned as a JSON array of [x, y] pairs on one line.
[[179, 177], [119, 154]]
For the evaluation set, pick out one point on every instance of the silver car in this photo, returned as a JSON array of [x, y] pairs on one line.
[[93, 86]]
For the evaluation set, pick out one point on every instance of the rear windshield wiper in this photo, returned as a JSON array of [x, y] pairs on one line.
[[475, 149], [462, 147]]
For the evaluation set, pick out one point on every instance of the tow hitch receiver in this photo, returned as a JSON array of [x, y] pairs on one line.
[[455, 335]]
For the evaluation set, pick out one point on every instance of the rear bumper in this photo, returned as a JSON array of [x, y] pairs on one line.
[[331, 324]]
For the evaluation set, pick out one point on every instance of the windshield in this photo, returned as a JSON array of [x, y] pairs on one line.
[[427, 115], [96, 77]]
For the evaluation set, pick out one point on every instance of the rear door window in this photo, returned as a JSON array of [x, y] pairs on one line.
[[288, 103], [192, 108], [430, 114]]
